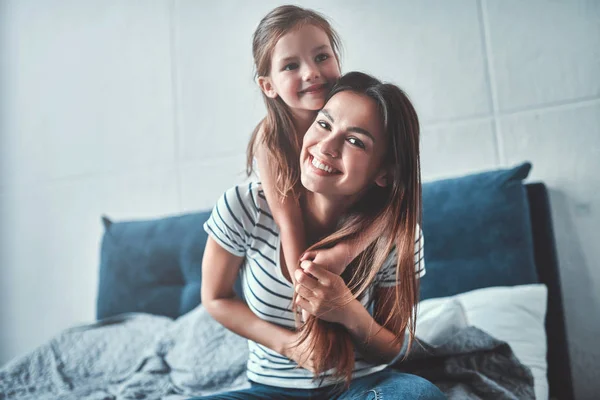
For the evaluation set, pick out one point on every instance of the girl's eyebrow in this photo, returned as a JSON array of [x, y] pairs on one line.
[[354, 129], [288, 59], [321, 47], [315, 50]]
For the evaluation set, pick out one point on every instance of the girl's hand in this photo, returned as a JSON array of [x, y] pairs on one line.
[[334, 259], [323, 293]]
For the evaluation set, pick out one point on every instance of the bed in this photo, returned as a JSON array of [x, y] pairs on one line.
[[489, 252]]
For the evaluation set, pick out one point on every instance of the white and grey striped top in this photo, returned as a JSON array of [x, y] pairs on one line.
[[242, 224]]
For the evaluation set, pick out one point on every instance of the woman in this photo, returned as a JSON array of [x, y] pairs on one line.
[[360, 168]]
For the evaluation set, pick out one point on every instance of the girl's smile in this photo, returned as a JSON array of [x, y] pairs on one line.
[[320, 90], [303, 68]]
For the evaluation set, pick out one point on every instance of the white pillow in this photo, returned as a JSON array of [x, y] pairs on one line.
[[438, 320], [514, 315]]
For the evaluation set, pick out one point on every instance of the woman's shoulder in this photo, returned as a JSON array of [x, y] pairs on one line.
[[247, 199], [245, 193]]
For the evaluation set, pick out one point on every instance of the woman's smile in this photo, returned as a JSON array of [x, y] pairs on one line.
[[343, 150], [322, 168]]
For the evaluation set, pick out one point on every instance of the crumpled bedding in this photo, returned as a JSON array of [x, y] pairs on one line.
[[142, 356]]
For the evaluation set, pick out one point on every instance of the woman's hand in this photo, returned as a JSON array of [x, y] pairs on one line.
[[299, 352], [323, 293]]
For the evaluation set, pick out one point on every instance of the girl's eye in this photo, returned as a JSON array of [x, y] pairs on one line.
[[324, 125], [321, 57], [290, 67], [355, 142]]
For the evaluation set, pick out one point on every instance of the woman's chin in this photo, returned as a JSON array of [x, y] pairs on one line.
[[307, 182], [314, 185]]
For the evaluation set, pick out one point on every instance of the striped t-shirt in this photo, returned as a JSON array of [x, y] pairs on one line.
[[242, 224]]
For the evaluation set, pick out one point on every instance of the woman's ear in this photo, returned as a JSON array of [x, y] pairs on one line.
[[381, 178], [265, 84]]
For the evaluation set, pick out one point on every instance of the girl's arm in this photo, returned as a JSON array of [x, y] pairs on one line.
[[339, 256], [326, 296], [219, 272], [286, 212]]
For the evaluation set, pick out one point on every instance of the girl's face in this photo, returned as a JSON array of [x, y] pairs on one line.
[[303, 69], [343, 150]]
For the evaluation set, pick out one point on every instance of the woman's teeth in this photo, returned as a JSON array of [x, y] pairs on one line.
[[322, 166]]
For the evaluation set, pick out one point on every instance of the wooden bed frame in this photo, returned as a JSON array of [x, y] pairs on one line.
[[546, 261]]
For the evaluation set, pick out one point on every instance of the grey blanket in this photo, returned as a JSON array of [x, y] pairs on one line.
[[140, 356], [470, 364]]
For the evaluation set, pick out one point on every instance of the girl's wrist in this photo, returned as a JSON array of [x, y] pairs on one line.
[[343, 253], [354, 314]]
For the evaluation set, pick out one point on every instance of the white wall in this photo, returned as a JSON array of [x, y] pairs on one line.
[[144, 108]]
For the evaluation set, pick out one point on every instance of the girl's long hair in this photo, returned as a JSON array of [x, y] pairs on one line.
[[277, 131], [392, 214]]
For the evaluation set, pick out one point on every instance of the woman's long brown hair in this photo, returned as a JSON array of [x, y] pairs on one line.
[[392, 214], [279, 136]]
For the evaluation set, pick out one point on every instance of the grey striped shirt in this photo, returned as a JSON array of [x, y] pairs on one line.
[[242, 224]]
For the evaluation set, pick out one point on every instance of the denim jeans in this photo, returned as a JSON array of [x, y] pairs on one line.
[[384, 385]]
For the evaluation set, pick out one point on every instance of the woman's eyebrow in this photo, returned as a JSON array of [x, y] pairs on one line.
[[354, 129]]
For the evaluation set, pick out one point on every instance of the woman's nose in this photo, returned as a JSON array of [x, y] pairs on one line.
[[330, 147]]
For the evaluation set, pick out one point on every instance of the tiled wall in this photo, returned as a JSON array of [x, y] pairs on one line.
[[144, 108]]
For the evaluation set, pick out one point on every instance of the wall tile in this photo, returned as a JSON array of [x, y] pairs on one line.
[[50, 249], [544, 51], [564, 147], [432, 49], [457, 149], [203, 183], [87, 88]]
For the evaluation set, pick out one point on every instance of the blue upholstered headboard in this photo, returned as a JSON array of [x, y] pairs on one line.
[[481, 230]]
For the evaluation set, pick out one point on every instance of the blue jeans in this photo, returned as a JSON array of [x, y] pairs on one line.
[[384, 385]]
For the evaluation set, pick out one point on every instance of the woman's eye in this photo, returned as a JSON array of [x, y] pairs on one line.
[[323, 124], [290, 67], [355, 142], [321, 57]]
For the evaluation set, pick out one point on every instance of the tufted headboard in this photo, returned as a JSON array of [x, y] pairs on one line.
[[481, 230]]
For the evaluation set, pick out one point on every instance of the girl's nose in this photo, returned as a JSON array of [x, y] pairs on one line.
[[310, 73]]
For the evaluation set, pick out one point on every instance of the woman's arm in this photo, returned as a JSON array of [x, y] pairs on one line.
[[326, 296], [286, 212], [376, 342], [219, 272]]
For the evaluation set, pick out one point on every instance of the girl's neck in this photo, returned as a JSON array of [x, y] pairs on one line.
[[302, 120]]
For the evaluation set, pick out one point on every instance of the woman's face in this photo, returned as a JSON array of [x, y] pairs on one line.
[[343, 150]]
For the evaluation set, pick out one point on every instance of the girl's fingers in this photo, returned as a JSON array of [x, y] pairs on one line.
[[308, 255], [305, 315], [304, 304], [305, 292], [318, 272], [303, 279]]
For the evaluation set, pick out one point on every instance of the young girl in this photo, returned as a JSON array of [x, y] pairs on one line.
[[296, 53], [367, 135]]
